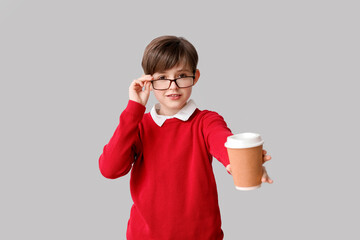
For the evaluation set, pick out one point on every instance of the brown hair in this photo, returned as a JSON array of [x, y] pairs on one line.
[[165, 52]]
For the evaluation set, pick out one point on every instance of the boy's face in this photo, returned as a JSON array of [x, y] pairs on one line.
[[174, 99]]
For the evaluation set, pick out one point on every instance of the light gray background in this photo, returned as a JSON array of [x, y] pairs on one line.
[[286, 69]]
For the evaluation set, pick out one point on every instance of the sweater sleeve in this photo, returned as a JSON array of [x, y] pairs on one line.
[[216, 133], [119, 154]]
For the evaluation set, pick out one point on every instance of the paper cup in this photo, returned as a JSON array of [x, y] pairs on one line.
[[245, 152]]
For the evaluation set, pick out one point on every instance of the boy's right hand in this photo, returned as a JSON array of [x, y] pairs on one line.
[[136, 91]]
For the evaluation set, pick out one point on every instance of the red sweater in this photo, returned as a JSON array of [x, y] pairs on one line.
[[172, 182]]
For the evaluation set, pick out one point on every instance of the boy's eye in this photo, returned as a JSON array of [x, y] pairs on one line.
[[182, 75], [161, 77]]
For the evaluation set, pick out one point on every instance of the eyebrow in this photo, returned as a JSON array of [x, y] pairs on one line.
[[184, 70], [180, 70]]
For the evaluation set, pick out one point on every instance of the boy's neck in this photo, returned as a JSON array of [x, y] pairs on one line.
[[168, 112]]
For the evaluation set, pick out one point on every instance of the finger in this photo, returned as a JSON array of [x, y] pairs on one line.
[[146, 83], [268, 179], [147, 87], [267, 158], [228, 168], [137, 82], [134, 86], [264, 152], [265, 177], [146, 78], [141, 82]]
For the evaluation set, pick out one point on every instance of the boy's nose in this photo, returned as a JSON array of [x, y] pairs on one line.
[[173, 85]]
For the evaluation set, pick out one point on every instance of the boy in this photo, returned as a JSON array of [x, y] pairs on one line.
[[170, 149]]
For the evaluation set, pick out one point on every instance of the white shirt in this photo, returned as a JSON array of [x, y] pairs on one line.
[[184, 114]]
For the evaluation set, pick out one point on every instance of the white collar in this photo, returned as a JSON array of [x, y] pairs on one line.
[[184, 114]]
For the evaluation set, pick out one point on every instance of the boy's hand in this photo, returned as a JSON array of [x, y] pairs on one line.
[[265, 176], [136, 91]]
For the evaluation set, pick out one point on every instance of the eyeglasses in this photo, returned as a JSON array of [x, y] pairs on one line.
[[181, 82]]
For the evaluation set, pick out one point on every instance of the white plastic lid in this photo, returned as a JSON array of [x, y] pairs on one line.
[[244, 140]]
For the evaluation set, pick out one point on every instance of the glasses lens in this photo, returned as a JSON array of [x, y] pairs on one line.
[[161, 84], [185, 82]]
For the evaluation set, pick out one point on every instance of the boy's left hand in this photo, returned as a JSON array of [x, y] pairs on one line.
[[265, 176]]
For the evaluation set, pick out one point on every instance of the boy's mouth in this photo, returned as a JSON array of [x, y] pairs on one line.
[[173, 96]]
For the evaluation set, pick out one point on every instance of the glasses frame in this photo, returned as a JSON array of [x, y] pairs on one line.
[[172, 80]]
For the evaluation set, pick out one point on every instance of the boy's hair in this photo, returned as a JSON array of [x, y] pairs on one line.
[[165, 52]]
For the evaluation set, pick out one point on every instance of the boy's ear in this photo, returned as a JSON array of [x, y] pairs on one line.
[[197, 76]]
